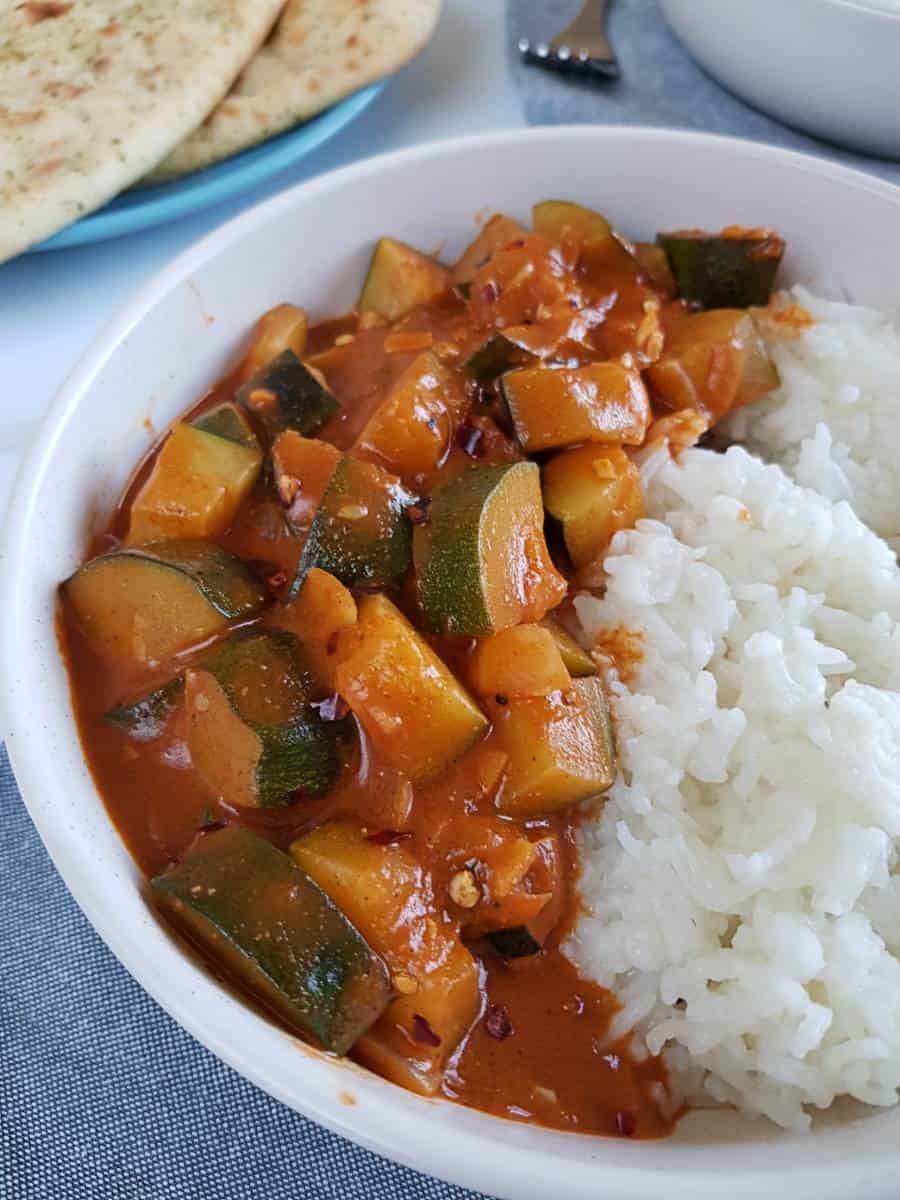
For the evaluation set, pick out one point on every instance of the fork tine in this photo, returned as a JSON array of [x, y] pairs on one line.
[[582, 48]]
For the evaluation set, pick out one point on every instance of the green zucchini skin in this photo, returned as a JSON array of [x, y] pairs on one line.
[[448, 550], [498, 354], [578, 662], [261, 918], [723, 272], [227, 421], [514, 943], [300, 751], [145, 718], [224, 580], [300, 400], [361, 533]]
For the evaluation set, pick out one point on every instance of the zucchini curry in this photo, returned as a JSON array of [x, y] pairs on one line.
[[324, 663]]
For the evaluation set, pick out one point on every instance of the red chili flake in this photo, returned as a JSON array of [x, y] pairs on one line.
[[388, 837], [501, 699], [332, 708], [517, 243], [332, 644], [469, 439], [625, 1124], [418, 512], [497, 1023], [422, 1032], [489, 292], [277, 580]]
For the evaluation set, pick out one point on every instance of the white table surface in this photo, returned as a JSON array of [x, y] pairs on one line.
[[52, 305]]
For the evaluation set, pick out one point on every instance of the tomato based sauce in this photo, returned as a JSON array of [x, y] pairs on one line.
[[464, 881]]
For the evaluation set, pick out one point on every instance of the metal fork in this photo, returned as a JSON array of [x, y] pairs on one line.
[[582, 48]]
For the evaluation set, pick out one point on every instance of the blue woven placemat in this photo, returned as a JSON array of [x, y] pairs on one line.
[[660, 83], [104, 1097]]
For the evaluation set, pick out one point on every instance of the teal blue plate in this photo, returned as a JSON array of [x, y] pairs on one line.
[[146, 207]]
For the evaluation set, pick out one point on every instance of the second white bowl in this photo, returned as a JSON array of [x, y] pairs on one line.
[[829, 67]]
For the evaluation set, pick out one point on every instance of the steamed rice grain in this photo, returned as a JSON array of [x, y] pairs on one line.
[[833, 422], [740, 877]]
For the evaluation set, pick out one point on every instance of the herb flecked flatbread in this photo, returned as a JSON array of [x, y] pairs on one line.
[[319, 52], [93, 93]]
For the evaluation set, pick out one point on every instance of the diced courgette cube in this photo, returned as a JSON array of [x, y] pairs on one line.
[[400, 278], [141, 605], [482, 563], [593, 491], [560, 748], [383, 891], [270, 927], [732, 269], [254, 737], [195, 488], [415, 711], [554, 407], [286, 394]]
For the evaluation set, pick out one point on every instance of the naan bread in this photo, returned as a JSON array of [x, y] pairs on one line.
[[93, 93], [319, 52]]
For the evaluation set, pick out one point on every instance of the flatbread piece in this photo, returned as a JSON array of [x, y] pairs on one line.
[[319, 52], [93, 93]]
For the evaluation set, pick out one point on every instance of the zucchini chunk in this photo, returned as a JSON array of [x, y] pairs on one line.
[[229, 422], [482, 563], [602, 249], [411, 431], [498, 354], [593, 491], [496, 234], [732, 269], [654, 264], [271, 928], [286, 394], [389, 898], [578, 662], [145, 718], [399, 279], [139, 606], [714, 362], [317, 615], [553, 407], [521, 661], [302, 468], [414, 710], [557, 219], [255, 740], [197, 484], [283, 327], [560, 748], [360, 534]]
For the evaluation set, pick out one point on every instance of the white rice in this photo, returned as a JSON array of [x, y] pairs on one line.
[[833, 424], [740, 877]]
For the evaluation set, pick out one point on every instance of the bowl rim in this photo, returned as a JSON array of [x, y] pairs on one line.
[[869, 7], [469, 1156]]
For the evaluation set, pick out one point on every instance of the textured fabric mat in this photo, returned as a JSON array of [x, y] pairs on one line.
[[660, 83], [104, 1097]]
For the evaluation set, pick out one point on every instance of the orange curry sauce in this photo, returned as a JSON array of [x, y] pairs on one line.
[[538, 1050]]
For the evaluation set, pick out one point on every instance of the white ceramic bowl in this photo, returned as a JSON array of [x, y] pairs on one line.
[[311, 245], [829, 67]]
